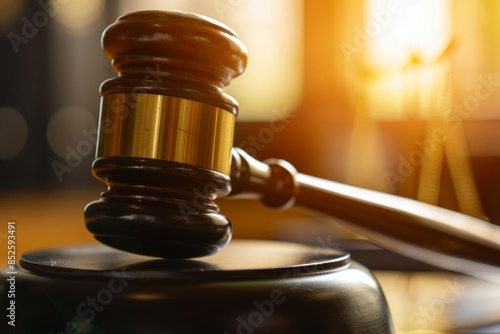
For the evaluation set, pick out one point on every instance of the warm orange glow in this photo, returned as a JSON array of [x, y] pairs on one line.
[[272, 31], [406, 56], [78, 15], [399, 30], [10, 12], [406, 94]]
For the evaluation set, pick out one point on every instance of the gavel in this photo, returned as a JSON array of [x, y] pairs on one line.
[[165, 153]]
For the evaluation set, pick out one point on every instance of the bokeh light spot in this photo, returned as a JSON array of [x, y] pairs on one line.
[[68, 127], [10, 14], [13, 132], [76, 15]]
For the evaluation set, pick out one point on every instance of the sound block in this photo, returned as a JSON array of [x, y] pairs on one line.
[[248, 287]]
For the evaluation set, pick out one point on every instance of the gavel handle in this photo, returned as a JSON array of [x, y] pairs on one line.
[[428, 233]]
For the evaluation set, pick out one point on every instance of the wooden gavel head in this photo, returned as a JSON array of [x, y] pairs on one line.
[[166, 134]]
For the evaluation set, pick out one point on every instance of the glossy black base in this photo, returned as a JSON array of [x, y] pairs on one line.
[[248, 287]]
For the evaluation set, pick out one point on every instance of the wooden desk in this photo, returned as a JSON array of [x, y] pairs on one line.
[[439, 301], [44, 219]]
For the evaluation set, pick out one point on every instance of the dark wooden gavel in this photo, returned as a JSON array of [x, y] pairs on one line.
[[165, 153]]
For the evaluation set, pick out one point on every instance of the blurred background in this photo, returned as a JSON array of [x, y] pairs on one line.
[[400, 96]]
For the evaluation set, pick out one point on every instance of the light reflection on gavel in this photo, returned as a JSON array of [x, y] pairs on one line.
[[166, 133]]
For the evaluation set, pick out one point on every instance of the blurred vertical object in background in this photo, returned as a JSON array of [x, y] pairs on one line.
[[22, 95], [50, 64], [412, 111], [273, 34]]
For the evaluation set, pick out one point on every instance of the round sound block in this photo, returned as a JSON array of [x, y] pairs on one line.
[[249, 287]]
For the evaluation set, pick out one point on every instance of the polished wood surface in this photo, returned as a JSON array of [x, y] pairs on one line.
[[159, 208], [175, 54]]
